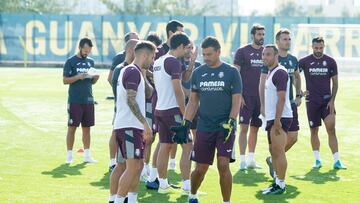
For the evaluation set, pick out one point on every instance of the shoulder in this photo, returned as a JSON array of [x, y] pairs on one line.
[[229, 67], [171, 60], [72, 59], [329, 58]]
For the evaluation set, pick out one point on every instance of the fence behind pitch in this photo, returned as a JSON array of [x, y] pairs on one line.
[[48, 39]]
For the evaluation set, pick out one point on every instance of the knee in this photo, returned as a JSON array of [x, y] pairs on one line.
[[200, 169], [223, 167]]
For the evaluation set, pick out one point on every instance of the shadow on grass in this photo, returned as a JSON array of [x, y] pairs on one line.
[[290, 193], [317, 177], [249, 177], [146, 195], [104, 182], [65, 170]]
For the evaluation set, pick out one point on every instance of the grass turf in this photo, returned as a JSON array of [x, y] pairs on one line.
[[32, 142]]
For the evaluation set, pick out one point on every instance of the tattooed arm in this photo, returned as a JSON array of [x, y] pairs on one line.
[[134, 107]]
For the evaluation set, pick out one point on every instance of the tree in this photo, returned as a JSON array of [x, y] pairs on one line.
[[35, 6], [289, 9], [156, 7]]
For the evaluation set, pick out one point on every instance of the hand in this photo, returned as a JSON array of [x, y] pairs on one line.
[[298, 101], [147, 133], [242, 102], [194, 54], [181, 132], [331, 106], [82, 76], [96, 77], [277, 127], [229, 127]]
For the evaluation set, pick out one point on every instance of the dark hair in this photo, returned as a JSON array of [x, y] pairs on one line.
[[127, 36], [172, 26], [145, 45], [272, 46], [210, 41], [282, 31], [256, 27], [318, 40], [154, 38], [179, 39], [84, 41]]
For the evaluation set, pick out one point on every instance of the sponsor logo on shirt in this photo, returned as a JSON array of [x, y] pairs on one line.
[[212, 85], [256, 62], [221, 74], [318, 71], [82, 70]]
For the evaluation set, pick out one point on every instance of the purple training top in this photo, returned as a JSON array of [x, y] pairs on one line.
[[318, 73], [249, 59]]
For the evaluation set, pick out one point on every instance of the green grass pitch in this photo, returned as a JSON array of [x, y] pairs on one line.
[[32, 150]]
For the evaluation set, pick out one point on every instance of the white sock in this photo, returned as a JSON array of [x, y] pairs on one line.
[[163, 182], [172, 161], [69, 153], [112, 162], [86, 152], [317, 155], [280, 183], [153, 174], [336, 156], [119, 199], [186, 184], [147, 168], [192, 196], [251, 156], [112, 198], [271, 159], [132, 197], [275, 176], [242, 158]]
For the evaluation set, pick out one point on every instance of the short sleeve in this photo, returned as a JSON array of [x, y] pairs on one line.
[[238, 59], [67, 72], [236, 82], [131, 78], [172, 67], [333, 68], [280, 79]]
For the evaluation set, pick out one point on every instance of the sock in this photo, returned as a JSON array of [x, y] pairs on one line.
[[112, 162], [225, 202], [280, 183], [147, 168], [186, 184], [119, 199], [251, 156], [86, 152], [317, 155], [172, 161], [153, 174], [336, 156], [69, 153], [242, 158], [112, 198], [275, 176], [192, 196], [271, 159], [132, 197], [163, 183]]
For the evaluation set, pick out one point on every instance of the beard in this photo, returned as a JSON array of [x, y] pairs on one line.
[[259, 42], [318, 54]]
